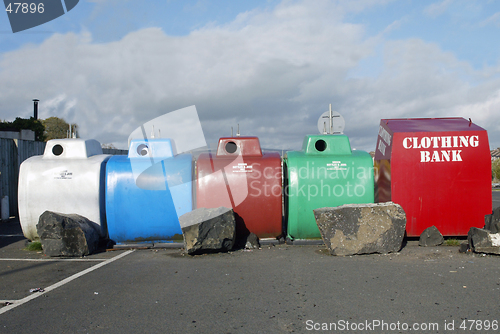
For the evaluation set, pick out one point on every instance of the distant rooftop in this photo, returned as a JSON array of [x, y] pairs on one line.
[[495, 154], [13, 133]]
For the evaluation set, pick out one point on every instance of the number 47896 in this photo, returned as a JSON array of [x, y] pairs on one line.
[[23, 7], [479, 325]]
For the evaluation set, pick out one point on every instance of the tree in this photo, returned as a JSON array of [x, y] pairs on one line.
[[495, 169], [110, 146], [57, 128], [26, 124]]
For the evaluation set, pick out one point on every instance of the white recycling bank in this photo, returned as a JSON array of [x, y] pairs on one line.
[[69, 178]]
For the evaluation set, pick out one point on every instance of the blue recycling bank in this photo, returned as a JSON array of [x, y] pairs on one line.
[[147, 191]]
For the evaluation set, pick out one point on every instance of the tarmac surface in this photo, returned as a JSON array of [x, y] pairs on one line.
[[275, 289]]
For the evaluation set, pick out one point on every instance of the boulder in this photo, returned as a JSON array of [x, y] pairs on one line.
[[362, 228], [492, 222], [431, 237], [245, 241], [208, 230], [483, 241], [252, 241], [464, 247], [67, 234]]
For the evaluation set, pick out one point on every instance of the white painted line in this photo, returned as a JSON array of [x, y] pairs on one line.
[[55, 260], [61, 283], [11, 235]]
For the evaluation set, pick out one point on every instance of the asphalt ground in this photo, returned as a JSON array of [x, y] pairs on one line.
[[496, 198], [276, 289]]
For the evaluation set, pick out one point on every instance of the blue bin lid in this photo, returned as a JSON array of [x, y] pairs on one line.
[[150, 148]]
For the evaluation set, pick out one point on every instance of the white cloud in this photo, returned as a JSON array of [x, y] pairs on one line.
[[274, 73], [493, 20], [438, 8], [396, 25], [484, 111]]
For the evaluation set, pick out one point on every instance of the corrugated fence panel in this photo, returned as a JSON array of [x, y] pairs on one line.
[[6, 155], [114, 151], [8, 170], [12, 153], [27, 149]]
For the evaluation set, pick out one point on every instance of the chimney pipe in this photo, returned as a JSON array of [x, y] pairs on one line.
[[35, 109]]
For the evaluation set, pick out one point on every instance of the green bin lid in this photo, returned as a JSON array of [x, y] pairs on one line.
[[326, 145]]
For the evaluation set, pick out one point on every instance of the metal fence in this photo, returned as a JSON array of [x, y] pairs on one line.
[[12, 153], [114, 151]]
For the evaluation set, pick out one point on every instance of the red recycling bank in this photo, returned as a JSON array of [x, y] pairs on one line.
[[438, 170]]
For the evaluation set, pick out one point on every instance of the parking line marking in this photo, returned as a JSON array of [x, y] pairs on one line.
[[55, 260], [61, 283], [11, 235]]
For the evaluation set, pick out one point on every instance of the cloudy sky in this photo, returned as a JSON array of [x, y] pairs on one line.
[[271, 66]]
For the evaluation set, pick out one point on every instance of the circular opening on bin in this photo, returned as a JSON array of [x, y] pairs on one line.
[[231, 147], [57, 149], [142, 149], [320, 145]]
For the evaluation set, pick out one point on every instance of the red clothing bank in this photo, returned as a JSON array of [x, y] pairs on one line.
[[438, 170]]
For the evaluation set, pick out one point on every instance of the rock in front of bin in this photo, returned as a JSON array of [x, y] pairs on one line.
[[483, 241], [492, 222], [431, 237], [252, 241], [208, 230], [362, 228], [464, 247], [67, 234]]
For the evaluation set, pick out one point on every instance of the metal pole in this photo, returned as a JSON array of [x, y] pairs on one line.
[[331, 119], [35, 108]]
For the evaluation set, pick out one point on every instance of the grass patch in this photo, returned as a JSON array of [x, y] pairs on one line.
[[451, 242], [34, 246]]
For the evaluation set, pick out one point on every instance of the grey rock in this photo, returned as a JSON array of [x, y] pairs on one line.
[[492, 222], [464, 247], [208, 230], [362, 228], [252, 241], [431, 237], [67, 234], [483, 241]]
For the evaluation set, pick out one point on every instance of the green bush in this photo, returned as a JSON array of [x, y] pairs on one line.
[[451, 242], [495, 170], [34, 246], [29, 124]]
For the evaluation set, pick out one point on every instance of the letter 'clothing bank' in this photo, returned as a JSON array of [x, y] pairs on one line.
[[438, 170]]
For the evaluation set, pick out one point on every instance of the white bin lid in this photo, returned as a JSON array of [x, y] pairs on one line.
[[71, 149]]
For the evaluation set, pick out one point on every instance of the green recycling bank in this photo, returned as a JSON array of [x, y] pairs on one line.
[[325, 173]]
